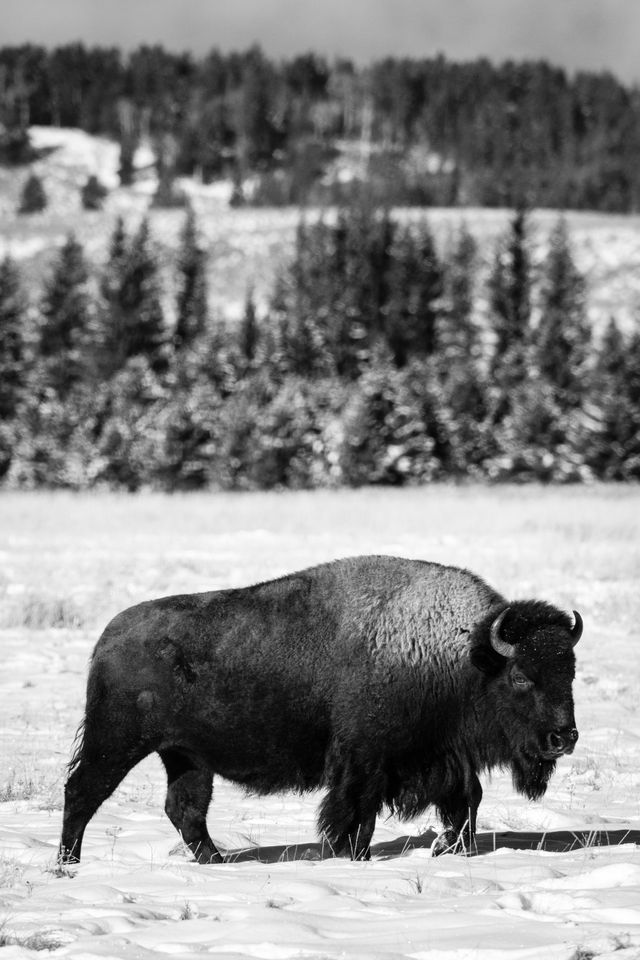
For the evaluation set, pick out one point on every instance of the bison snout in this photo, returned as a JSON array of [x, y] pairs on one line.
[[559, 742]]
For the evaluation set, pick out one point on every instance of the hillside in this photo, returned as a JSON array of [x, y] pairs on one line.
[[246, 245], [431, 131]]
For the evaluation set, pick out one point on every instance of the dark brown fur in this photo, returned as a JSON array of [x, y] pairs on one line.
[[372, 677]]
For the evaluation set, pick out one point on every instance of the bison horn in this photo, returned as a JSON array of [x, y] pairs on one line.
[[499, 645], [576, 629]]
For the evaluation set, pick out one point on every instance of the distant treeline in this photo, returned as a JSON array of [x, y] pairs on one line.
[[379, 359], [428, 131]]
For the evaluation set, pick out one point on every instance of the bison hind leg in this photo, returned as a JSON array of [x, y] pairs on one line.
[[93, 778], [189, 790]]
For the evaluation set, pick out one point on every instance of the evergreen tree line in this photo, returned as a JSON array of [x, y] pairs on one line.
[[432, 131], [379, 359]]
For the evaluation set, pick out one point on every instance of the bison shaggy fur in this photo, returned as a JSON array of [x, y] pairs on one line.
[[386, 682]]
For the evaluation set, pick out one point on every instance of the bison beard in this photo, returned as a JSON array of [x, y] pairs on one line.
[[531, 776], [387, 682]]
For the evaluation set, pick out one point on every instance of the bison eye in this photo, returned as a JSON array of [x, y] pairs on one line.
[[520, 681]]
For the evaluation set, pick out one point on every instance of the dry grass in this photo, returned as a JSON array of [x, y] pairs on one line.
[[18, 787], [42, 612], [41, 786], [72, 561], [34, 941], [69, 560], [11, 873]]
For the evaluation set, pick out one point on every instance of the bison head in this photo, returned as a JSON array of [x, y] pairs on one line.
[[526, 653]]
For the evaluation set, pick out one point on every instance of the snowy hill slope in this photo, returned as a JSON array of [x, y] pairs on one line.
[[247, 246]]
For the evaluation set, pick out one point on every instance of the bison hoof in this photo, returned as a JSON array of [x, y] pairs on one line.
[[209, 856], [361, 854], [66, 859], [450, 842], [65, 867]]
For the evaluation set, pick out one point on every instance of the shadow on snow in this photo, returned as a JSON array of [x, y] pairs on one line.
[[552, 841]]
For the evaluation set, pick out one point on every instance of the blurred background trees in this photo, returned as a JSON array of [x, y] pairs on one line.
[[380, 357], [424, 132]]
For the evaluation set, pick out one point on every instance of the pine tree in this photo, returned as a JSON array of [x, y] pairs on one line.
[[459, 362], [611, 352], [33, 198], [67, 320], [167, 193], [321, 315], [133, 318], [361, 259], [13, 318], [249, 333], [126, 171], [530, 439], [15, 146], [256, 135], [459, 337], [541, 381], [192, 306], [130, 435], [112, 347], [388, 426], [510, 315], [563, 335], [145, 333], [613, 451], [413, 309], [189, 422], [510, 290], [93, 194], [300, 306], [304, 350]]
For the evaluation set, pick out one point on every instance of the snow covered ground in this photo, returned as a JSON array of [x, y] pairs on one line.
[[555, 879]]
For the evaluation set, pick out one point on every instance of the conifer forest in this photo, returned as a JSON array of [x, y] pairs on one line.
[[381, 356]]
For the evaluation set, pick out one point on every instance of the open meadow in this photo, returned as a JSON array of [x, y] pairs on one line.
[[554, 879]]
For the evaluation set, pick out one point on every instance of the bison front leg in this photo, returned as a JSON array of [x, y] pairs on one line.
[[348, 812], [458, 811]]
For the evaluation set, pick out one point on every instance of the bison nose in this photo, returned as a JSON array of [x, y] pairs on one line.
[[561, 741]]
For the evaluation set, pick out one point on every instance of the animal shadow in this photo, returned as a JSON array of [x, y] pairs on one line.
[[551, 841]]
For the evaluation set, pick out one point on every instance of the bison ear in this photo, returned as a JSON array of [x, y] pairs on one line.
[[576, 629], [484, 659], [487, 649]]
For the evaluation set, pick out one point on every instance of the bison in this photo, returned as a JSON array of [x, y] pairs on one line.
[[388, 682]]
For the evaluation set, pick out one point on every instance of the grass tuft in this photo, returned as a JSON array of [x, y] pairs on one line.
[[32, 941], [26, 787], [19, 788], [62, 871], [416, 883], [43, 612], [188, 912], [11, 873]]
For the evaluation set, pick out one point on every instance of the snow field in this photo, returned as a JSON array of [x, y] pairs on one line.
[[68, 563]]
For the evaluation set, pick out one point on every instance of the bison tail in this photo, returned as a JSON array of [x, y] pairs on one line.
[[78, 745]]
